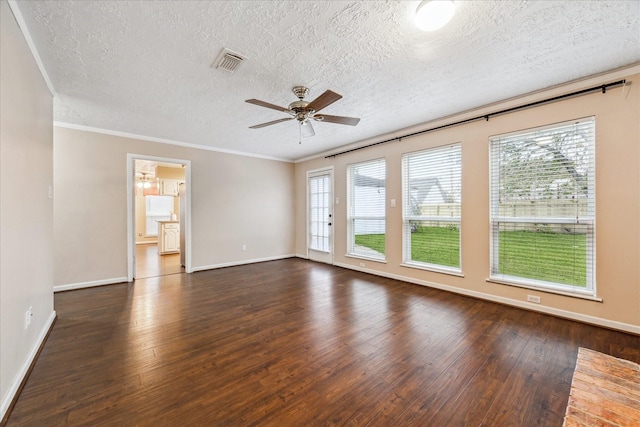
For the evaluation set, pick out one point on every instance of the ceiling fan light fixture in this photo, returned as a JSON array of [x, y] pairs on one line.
[[304, 111], [431, 15]]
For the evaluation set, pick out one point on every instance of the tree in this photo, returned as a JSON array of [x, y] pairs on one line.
[[553, 165]]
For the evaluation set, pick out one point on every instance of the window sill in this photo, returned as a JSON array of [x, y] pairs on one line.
[[433, 269], [547, 290], [356, 256]]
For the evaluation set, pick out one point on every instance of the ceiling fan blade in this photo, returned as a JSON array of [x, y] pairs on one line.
[[327, 98], [351, 121], [270, 123], [267, 105], [307, 129]]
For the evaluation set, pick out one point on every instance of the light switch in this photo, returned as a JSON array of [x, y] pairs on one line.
[[393, 203], [337, 200], [50, 191]]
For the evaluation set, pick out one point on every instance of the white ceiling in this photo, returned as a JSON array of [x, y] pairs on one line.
[[144, 67]]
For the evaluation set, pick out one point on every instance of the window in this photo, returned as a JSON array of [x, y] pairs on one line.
[[366, 209], [319, 212], [543, 207], [159, 208], [431, 188]]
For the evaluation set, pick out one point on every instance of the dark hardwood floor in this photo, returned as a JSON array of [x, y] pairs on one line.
[[297, 343]]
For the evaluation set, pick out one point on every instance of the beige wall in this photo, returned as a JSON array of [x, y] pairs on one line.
[[26, 212], [617, 196], [235, 200]]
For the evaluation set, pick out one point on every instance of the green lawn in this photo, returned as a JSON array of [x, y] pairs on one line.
[[552, 257], [436, 245], [373, 241]]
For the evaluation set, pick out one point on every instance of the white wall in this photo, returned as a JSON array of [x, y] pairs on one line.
[[26, 212], [235, 200]]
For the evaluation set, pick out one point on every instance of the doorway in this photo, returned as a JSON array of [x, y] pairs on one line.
[[320, 215], [159, 217]]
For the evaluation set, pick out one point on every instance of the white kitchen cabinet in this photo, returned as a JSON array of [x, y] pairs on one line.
[[169, 187], [169, 237]]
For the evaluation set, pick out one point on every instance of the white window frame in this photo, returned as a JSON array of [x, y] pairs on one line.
[[408, 216], [582, 219], [352, 249]]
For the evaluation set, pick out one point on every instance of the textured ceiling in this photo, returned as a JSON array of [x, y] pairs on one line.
[[144, 67]]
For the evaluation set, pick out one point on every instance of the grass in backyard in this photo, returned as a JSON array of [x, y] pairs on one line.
[[436, 245], [551, 257], [372, 241]]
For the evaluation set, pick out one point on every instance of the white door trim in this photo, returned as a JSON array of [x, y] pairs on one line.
[[131, 238], [330, 171]]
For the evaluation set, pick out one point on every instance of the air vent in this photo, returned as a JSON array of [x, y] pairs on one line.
[[228, 61]]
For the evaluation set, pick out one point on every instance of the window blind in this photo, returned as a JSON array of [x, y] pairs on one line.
[[543, 207], [367, 209], [432, 188]]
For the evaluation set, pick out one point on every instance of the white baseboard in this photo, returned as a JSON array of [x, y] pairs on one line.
[[303, 256], [24, 369], [243, 262], [584, 318], [83, 285]]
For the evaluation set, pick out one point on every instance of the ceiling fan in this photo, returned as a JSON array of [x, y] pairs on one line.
[[304, 111]]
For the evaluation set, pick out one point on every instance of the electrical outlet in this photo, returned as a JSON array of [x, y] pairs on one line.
[[533, 298], [244, 247], [139, 234], [362, 264]]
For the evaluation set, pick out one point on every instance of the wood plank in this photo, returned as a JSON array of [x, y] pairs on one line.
[[292, 342], [604, 391]]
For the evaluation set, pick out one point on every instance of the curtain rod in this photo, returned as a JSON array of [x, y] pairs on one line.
[[486, 117]]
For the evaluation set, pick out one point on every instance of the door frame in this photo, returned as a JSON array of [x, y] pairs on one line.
[[131, 229], [330, 171]]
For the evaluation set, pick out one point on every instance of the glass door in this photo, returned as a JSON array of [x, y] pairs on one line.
[[320, 216]]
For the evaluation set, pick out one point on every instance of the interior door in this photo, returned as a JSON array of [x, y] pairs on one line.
[[320, 215]]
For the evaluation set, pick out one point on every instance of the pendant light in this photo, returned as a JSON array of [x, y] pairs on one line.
[[144, 181]]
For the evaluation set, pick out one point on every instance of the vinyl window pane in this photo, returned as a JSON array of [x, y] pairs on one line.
[[367, 209], [319, 213], [543, 206], [158, 208], [432, 189]]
